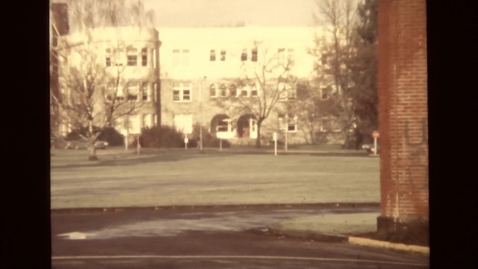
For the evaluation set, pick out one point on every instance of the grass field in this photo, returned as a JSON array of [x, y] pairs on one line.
[[187, 178]]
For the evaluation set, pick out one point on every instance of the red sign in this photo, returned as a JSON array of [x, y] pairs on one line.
[[375, 134]]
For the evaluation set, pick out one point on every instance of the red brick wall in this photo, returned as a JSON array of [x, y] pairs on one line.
[[403, 113]]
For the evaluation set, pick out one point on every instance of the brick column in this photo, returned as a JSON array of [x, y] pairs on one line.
[[403, 114]]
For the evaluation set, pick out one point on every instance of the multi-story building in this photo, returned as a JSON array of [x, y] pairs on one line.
[[199, 66], [125, 63], [190, 79]]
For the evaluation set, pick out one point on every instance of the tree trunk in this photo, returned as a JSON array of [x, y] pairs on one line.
[[258, 139], [92, 153], [91, 143]]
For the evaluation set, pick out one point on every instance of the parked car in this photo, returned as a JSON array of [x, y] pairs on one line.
[[82, 143], [60, 143], [369, 148]]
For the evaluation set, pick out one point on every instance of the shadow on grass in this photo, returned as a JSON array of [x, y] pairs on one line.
[[149, 157]]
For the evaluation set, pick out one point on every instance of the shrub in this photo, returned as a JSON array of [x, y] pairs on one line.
[[110, 135], [161, 136]]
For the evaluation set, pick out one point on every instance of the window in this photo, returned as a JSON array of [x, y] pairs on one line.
[[287, 92], [288, 123], [119, 57], [223, 55], [281, 56], [108, 57], [185, 57], [176, 58], [254, 55], [223, 90], [325, 93], [134, 124], [212, 56], [244, 55], [132, 57], [244, 92], [145, 92], [155, 92], [233, 90], [144, 57], [290, 55], [181, 92], [212, 90], [147, 120], [222, 126], [184, 123], [253, 89], [110, 90], [285, 56], [133, 91]]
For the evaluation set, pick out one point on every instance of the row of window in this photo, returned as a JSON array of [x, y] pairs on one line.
[[128, 57], [138, 92], [182, 91], [181, 56]]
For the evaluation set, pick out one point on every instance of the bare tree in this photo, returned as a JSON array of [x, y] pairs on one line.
[[94, 92], [266, 78], [335, 50]]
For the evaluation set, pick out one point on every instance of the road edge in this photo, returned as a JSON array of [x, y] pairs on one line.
[[324, 237], [224, 207]]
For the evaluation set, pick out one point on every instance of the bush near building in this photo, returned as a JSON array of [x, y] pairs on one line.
[[110, 135], [169, 137]]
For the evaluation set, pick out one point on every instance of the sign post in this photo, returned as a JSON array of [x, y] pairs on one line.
[[138, 146], [286, 130], [186, 143], [274, 137], [375, 135]]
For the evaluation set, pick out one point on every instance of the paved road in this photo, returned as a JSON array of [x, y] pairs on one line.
[[205, 239]]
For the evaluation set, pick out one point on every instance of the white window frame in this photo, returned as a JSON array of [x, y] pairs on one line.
[[285, 89], [222, 53], [216, 91], [230, 90], [185, 57], [183, 128], [291, 121], [212, 55], [132, 52], [254, 52], [223, 88], [133, 87], [244, 52], [146, 89], [176, 60], [181, 87], [144, 53]]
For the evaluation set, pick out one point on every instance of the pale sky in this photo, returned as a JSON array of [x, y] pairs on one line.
[[207, 13]]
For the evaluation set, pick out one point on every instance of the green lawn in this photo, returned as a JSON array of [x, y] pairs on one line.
[[177, 177]]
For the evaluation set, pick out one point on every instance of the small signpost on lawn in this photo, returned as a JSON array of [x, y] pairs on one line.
[[186, 142], [375, 136], [138, 146], [274, 137]]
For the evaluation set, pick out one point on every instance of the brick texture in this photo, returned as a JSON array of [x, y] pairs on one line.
[[403, 113]]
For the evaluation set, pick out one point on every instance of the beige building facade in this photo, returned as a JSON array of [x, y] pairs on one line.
[[185, 76], [125, 62], [199, 67]]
